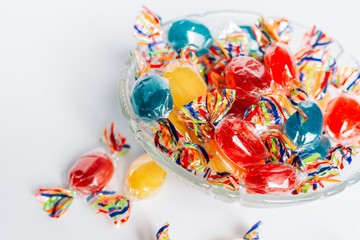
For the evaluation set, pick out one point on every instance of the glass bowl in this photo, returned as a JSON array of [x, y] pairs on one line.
[[215, 21]]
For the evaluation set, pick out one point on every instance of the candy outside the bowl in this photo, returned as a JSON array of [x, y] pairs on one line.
[[239, 108], [144, 178], [89, 176], [91, 173]]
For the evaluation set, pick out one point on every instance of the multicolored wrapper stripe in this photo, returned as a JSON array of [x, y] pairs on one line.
[[253, 233], [163, 233], [55, 201], [279, 147], [321, 170], [116, 206], [114, 141], [270, 30], [224, 179], [315, 64], [205, 112], [347, 79], [147, 29], [340, 155], [233, 42], [148, 32], [167, 137], [271, 110], [193, 158]]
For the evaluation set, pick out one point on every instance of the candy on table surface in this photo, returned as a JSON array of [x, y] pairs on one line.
[[190, 34], [151, 98], [117, 207], [91, 173], [163, 233], [253, 233], [219, 162], [185, 82], [305, 133], [144, 178], [342, 119], [238, 141], [281, 64], [55, 201], [114, 141], [273, 178]]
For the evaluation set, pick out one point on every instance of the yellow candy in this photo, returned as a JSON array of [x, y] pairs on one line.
[[144, 178], [221, 163], [186, 84], [182, 127]]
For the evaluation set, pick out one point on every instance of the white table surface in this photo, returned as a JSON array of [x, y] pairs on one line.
[[59, 66]]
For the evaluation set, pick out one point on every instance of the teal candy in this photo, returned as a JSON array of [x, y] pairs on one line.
[[249, 30], [188, 32], [323, 147], [151, 98], [305, 134]]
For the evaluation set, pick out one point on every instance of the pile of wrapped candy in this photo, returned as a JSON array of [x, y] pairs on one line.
[[240, 109]]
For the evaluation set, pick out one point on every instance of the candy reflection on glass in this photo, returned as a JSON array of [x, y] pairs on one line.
[[342, 119], [191, 34], [273, 178], [144, 178], [151, 98]]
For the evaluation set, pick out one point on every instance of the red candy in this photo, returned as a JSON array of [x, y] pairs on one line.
[[91, 173], [246, 74], [272, 178], [237, 140], [249, 77], [281, 64], [242, 102], [342, 119]]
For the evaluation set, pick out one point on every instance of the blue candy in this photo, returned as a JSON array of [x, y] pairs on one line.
[[151, 98], [305, 134], [322, 148], [190, 33]]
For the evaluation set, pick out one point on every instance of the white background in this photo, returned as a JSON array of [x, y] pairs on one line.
[[59, 66]]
